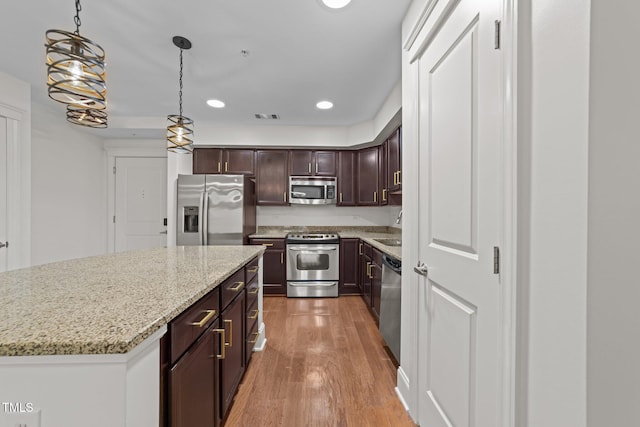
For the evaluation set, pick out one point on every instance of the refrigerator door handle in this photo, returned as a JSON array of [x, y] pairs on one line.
[[205, 222], [202, 219]]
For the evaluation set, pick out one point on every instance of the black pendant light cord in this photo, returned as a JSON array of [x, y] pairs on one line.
[[180, 93], [76, 19]]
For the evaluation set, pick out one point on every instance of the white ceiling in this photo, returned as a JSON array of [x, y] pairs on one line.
[[300, 52]]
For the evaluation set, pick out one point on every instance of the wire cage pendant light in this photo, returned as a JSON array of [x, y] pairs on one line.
[[76, 74], [180, 129]]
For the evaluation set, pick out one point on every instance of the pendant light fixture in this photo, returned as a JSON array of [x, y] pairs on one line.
[[87, 117], [180, 129], [76, 74]]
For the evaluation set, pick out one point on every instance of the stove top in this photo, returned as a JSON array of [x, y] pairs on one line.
[[312, 237]]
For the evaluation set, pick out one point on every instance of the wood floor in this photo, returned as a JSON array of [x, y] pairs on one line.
[[324, 365]]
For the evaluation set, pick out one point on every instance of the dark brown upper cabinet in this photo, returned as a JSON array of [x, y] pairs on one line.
[[394, 162], [368, 176], [312, 163], [238, 161], [272, 177], [207, 160], [347, 178]]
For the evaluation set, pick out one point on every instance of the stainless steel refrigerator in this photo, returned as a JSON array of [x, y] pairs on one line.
[[215, 209]]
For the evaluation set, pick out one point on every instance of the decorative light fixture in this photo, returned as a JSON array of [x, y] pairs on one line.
[[76, 72], [87, 117], [180, 129]]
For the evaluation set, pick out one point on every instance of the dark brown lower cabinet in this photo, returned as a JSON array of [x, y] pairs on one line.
[[193, 384], [203, 354], [232, 366], [365, 273], [274, 273], [376, 281], [349, 267]]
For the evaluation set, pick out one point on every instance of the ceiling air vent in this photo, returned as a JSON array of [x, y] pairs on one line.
[[267, 116]]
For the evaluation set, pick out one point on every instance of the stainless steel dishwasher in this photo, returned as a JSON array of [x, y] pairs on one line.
[[390, 304]]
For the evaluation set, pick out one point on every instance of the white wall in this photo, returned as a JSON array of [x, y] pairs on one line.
[[553, 140], [613, 375], [68, 188]]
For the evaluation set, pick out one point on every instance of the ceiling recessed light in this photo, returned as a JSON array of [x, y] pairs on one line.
[[215, 103], [324, 105], [336, 4]]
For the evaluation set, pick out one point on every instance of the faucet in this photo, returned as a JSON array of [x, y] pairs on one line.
[[399, 218]]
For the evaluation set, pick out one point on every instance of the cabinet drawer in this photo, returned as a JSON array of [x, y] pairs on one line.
[[376, 256], [231, 288], [188, 326], [367, 249], [269, 243], [252, 338], [253, 287], [252, 270], [252, 316]]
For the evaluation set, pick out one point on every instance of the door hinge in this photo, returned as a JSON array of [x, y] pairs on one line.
[[114, 219], [496, 36], [496, 260], [114, 170]]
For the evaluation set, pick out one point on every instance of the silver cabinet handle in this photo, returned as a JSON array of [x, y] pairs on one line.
[[163, 232], [421, 269], [4, 245]]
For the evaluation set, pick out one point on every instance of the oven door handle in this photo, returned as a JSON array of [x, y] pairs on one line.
[[307, 248], [310, 284]]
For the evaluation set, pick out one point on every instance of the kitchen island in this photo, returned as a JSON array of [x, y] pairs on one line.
[[79, 339]]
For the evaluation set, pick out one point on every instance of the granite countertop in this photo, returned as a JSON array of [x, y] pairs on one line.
[[108, 304], [368, 234]]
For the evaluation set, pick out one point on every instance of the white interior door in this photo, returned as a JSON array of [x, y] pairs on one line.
[[460, 125], [3, 195], [140, 203]]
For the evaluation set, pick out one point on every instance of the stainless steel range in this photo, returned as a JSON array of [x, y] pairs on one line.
[[313, 264]]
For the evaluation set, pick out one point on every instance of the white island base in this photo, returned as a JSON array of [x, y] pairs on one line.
[[112, 390]]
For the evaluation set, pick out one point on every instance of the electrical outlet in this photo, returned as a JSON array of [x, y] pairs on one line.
[[21, 419]]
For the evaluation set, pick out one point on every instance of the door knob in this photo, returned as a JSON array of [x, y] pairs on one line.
[[421, 269], [4, 245]]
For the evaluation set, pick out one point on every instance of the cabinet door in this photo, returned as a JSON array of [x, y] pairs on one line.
[[193, 385], [376, 281], [274, 267], [382, 174], [394, 163], [325, 163], [233, 365], [368, 169], [239, 161], [301, 162], [347, 178], [349, 267], [207, 160], [272, 177]]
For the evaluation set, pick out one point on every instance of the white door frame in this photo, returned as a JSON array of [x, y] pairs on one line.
[[128, 148], [18, 185], [413, 45]]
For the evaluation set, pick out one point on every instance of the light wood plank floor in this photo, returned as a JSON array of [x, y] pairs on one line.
[[324, 365]]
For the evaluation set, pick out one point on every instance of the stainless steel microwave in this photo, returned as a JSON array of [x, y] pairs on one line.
[[312, 190]]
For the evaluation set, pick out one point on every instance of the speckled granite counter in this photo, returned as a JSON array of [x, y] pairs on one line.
[[368, 234], [107, 304]]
